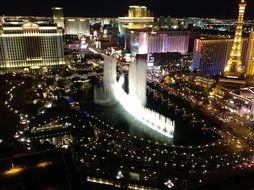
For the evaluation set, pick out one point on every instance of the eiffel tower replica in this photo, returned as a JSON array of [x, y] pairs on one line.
[[234, 72]]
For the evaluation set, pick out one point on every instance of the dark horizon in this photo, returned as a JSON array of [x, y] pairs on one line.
[[113, 8]]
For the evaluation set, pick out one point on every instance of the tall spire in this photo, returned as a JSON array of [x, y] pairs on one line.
[[234, 63]]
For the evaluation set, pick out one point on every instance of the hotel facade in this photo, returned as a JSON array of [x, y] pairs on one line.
[[139, 17], [142, 42], [211, 55], [30, 46]]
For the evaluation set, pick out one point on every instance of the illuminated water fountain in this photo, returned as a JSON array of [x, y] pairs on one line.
[[134, 102], [137, 82], [103, 94]]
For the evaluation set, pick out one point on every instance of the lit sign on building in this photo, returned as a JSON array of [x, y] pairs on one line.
[[150, 60], [83, 43]]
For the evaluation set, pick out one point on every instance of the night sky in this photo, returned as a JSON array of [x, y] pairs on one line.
[[114, 8]]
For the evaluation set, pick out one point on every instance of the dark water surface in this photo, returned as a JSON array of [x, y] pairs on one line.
[[187, 132]]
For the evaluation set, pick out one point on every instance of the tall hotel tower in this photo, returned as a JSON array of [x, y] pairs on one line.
[[138, 18], [234, 67], [58, 16], [250, 56], [30, 46]]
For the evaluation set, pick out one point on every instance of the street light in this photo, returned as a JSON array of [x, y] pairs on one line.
[[119, 175], [169, 184]]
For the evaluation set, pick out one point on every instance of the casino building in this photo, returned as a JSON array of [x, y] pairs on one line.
[[143, 42], [211, 54], [77, 26], [30, 46], [139, 17]]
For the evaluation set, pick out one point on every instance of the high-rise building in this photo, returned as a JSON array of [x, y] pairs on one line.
[[211, 55], [193, 22], [250, 56], [164, 22], [30, 46], [197, 54], [138, 18], [72, 25], [234, 66], [77, 26], [106, 21], [138, 11], [143, 42], [20, 20], [58, 16]]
